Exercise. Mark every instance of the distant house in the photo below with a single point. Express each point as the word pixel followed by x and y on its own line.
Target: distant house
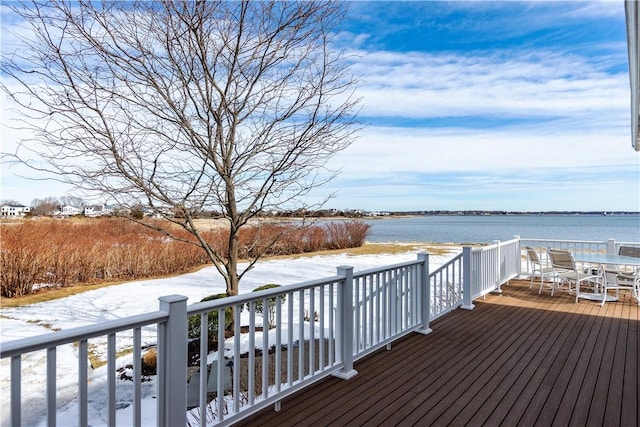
pixel 68 211
pixel 377 213
pixel 17 211
pixel 96 210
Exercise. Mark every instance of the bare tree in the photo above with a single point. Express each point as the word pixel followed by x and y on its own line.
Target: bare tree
pixel 185 106
pixel 45 207
pixel 74 201
pixel 10 202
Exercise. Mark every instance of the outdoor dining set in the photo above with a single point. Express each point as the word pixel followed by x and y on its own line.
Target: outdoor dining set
pixel 587 275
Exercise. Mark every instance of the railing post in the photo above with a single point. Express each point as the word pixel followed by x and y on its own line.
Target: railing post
pixel 518 255
pixel 611 247
pixel 467 299
pixel 425 292
pixel 394 313
pixel 344 325
pixel 172 369
pixel 498 267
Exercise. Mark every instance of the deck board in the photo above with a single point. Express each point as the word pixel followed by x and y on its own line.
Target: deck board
pixel 630 412
pixel 518 358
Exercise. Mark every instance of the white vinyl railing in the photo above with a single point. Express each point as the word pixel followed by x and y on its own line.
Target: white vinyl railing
pixel 446 286
pixel 491 266
pixel 320 328
pixel 388 304
pixel 171 325
pixel 609 246
pixel 283 339
pixel 574 245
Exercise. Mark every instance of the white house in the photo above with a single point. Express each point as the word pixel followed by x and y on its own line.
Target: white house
pixel 14 211
pixel 68 211
pixel 96 210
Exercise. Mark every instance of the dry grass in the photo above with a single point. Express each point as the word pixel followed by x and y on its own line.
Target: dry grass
pixel 42 296
pixel 366 249
pixel 381 248
pixel 51 254
pixel 394 248
pixel 55 254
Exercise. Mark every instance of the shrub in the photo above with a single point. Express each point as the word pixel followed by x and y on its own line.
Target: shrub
pixel 212 320
pixel 349 234
pixel 149 362
pixel 22 262
pixel 53 253
pixel 271 303
pixel 194 329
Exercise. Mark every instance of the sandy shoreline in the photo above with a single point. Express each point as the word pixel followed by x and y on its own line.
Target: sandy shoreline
pixel 217 223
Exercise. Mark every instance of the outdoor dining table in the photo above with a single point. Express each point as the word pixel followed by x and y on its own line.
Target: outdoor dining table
pixel 604 260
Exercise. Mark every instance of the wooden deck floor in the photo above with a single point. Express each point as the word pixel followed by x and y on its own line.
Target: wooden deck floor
pixel 517 359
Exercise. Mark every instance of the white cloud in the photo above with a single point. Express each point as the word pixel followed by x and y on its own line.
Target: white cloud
pixel 460 149
pixel 544 84
pixel 496 129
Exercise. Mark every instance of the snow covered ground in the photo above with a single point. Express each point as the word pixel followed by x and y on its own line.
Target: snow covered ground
pixel 134 298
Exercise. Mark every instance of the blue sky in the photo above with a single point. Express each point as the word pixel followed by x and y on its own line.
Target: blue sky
pixel 518 106
pixel 490 105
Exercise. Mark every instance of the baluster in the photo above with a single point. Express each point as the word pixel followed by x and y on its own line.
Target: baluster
pixel 16 381
pixel 83 395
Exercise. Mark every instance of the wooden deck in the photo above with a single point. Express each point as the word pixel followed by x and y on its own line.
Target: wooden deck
pixel 516 359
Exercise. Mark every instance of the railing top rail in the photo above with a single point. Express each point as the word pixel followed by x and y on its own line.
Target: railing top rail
pixel 494 245
pixel 48 340
pixel 565 241
pixel 445 266
pixel 202 307
pixel 509 242
pixel 487 248
pixel 386 268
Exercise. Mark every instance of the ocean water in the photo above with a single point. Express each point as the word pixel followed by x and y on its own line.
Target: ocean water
pixel 485 229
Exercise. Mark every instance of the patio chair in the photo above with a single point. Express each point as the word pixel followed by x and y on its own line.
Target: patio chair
pixel 558 266
pixel 628 281
pixel 565 270
pixel 632 251
pixel 193 383
pixel 623 279
pixel 212 384
pixel 193 390
pixel 538 268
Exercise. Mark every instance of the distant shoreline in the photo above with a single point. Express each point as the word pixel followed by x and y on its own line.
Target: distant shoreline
pixel 497 213
pixel 412 214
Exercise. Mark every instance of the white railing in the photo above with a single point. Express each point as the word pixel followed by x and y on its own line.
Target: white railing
pixel 446 286
pixel 492 265
pixel 320 328
pixel 609 246
pixel 510 260
pixel 283 339
pixel 388 304
pixel 574 245
pixel 171 327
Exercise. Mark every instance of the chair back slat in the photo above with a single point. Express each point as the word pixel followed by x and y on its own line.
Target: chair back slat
pixel 561 259
pixel 532 254
pixel 631 251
